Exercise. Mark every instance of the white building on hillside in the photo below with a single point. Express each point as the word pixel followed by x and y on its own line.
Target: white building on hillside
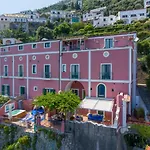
pixel 94 14
pixel 33 16
pixel 58 14
pixel 104 21
pixel 4 25
pixel 132 15
pixel 146 3
pixel 80 3
pixel 13 18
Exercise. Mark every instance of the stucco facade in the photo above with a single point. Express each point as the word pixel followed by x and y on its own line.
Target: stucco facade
pixel 132 15
pixel 93 67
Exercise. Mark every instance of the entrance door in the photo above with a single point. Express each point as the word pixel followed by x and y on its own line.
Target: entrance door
pixel 101 91
pixel 22 90
pixel 47 71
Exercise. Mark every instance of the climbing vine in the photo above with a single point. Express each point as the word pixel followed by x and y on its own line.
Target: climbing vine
pixel 53 136
pixel 34 141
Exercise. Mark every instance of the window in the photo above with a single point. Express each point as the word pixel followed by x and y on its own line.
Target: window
pixel 47 73
pixel 142 14
pixel 75 71
pixel 111 19
pixel 75 91
pixel 47 45
pixel 5 70
pixel 5 90
pixel 8 106
pixel 48 90
pixel 133 15
pixel 104 19
pixel 20 70
pixel 108 43
pixel 124 16
pixel 34 46
pixel 106 71
pixel 35 88
pixel 63 67
pixel 34 69
pixel 20 47
pixel 22 90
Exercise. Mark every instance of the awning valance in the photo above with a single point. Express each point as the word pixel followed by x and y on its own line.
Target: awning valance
pixel 97 104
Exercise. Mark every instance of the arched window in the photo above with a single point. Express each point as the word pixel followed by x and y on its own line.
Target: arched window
pixel 101 91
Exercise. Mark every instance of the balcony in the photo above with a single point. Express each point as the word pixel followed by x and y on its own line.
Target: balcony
pixel 46 75
pixel 106 76
pixel 74 75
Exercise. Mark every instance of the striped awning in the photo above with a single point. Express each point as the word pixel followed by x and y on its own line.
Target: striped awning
pixel 97 104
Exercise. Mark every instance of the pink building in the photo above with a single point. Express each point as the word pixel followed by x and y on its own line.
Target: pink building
pixel 95 67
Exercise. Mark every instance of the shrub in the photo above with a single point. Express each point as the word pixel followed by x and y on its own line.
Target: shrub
pixel 139 113
pixel 148 83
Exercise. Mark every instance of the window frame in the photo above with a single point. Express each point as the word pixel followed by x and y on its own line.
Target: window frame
pixel 4 70
pixel 22 47
pixel 13 107
pixel 102 72
pixel 78 70
pixel 46 43
pixel 19 70
pixel 65 68
pixel 111 38
pixel 74 89
pixel 34 44
pixel 35 68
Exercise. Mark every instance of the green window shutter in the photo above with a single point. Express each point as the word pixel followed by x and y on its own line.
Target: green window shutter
pixel 44 91
pixel 22 90
pixel 8 90
pixel 3 89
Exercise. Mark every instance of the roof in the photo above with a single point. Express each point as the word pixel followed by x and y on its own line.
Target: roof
pixel 97 104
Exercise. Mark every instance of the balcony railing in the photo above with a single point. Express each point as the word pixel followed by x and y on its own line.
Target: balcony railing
pixel 46 75
pixel 73 48
pixel 106 76
pixel 74 75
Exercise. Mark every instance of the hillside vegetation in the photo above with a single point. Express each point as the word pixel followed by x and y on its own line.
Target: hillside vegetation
pixel 113 6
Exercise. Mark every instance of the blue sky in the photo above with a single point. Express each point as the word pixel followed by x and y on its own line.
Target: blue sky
pixel 12 6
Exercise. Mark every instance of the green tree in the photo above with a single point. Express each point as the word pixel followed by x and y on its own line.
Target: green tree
pixel 6 33
pixel 21 35
pixel 63 102
pixel 49 25
pixel 44 32
pixel 88 27
pixel 3 99
pixel 144 47
pixel 148 68
pixel 119 22
pixel 62 30
pixel 77 26
pixel 49 101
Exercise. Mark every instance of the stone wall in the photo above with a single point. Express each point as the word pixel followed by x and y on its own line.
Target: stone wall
pixel 89 136
pixel 43 140
pixel 78 136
